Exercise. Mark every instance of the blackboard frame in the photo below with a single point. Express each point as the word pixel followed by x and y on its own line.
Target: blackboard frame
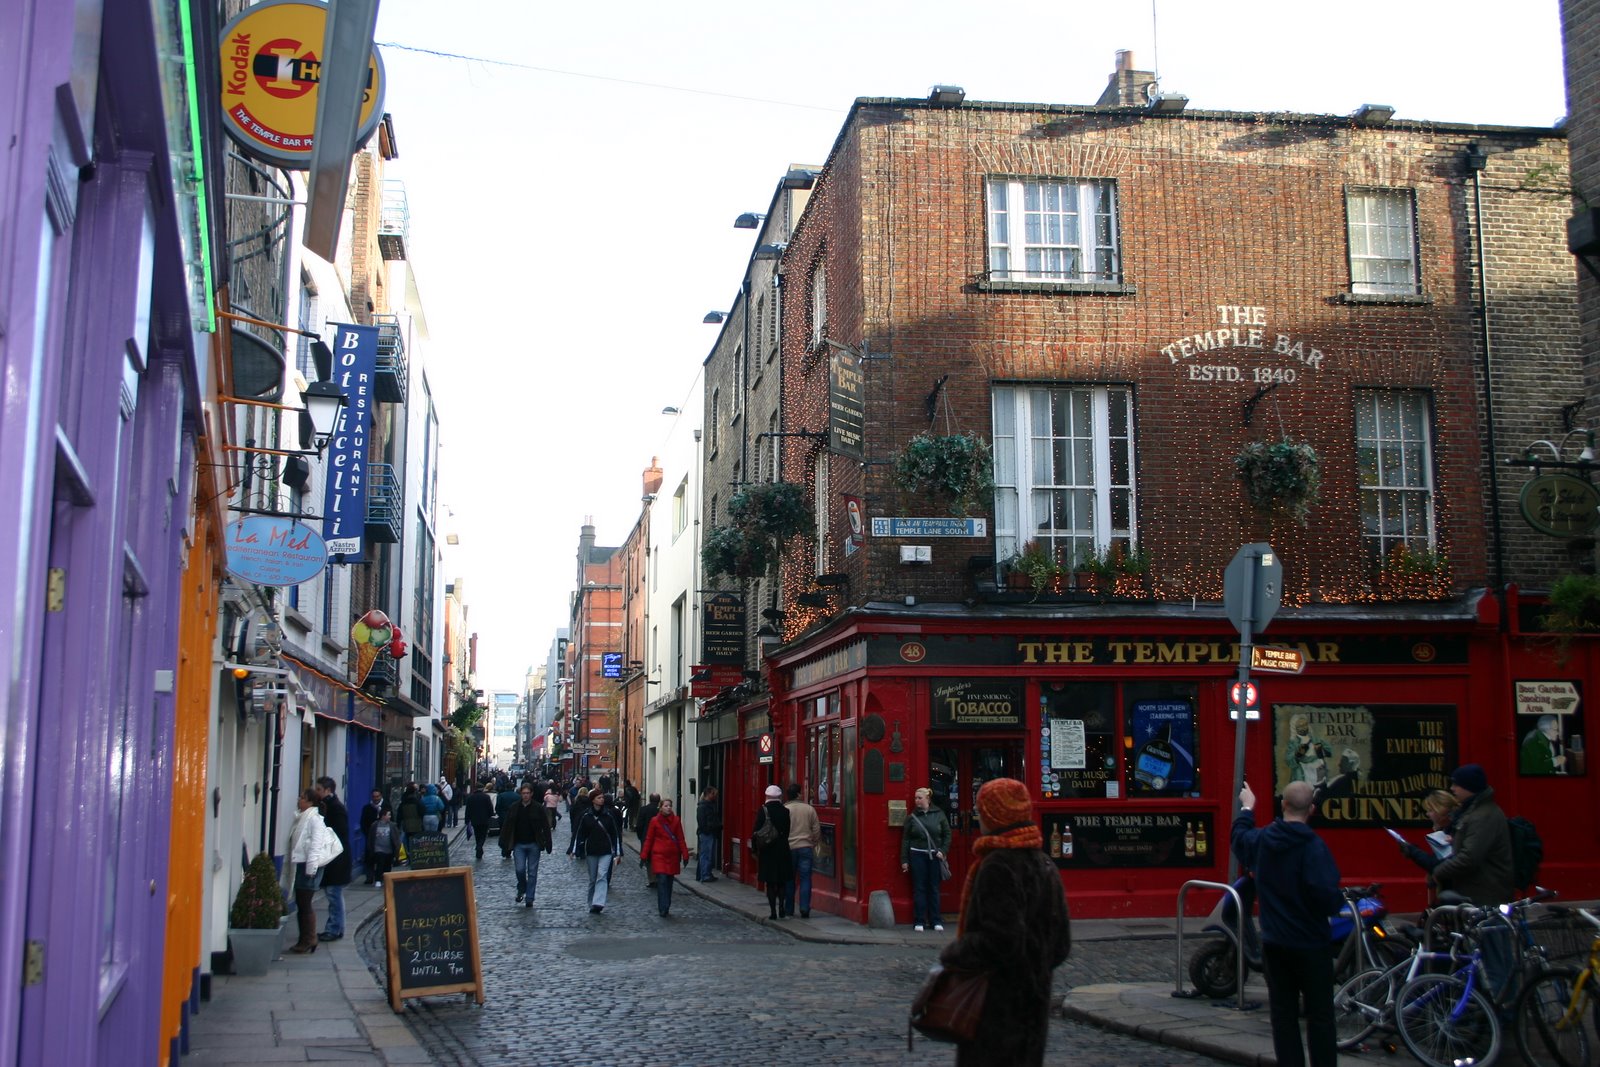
pixel 398 994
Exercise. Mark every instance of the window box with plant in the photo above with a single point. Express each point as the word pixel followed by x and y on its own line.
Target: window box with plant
pixel 1095 573
pixel 255 922
pixel 1132 577
pixel 1410 572
pixel 957 470
pixel 1039 569
pixel 1282 477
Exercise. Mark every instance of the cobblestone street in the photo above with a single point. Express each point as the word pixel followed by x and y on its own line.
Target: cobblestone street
pixel 706 986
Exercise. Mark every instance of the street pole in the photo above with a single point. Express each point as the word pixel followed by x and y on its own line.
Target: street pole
pixel 1246 626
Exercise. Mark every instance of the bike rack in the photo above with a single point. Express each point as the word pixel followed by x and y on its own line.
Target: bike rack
pixel 1238 911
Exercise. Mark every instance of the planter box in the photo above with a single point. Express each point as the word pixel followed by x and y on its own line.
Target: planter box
pixel 253 950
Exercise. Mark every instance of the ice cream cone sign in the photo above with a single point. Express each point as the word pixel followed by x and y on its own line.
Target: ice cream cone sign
pixel 368 637
pixel 397 646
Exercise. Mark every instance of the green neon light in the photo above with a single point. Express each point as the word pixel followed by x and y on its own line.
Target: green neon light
pixel 197 171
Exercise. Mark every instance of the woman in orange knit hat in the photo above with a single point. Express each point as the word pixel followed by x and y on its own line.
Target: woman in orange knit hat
pixel 1014 926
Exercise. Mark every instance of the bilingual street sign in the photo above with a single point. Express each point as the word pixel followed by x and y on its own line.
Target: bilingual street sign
pixel 901 526
pixel 1274 658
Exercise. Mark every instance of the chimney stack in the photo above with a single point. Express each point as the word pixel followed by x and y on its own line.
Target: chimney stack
pixel 585 544
pixel 652 477
pixel 1128 87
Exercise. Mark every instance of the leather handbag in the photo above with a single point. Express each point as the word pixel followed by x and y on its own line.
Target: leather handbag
pixel 949 1005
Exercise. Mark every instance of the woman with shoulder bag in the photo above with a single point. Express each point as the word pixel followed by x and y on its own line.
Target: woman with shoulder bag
pixel 769 841
pixel 311 846
pixel 1014 929
pixel 924 841
pixel 666 851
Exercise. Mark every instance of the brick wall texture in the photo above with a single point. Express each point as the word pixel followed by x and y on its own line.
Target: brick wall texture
pixel 1216 211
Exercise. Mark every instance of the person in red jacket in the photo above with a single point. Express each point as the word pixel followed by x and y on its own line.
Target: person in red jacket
pixel 664 849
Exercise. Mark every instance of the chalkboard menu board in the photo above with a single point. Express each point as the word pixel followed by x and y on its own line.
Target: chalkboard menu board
pixel 425 851
pixel 432 925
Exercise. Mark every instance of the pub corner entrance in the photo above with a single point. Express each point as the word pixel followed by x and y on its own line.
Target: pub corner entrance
pixel 956 771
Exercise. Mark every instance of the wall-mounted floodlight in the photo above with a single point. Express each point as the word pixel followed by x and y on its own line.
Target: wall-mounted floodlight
pixel 946 95
pixel 1374 114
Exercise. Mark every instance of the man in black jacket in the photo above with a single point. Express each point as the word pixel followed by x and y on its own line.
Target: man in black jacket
pixel 480 809
pixel 336 874
pixel 525 830
pixel 708 833
pixel 370 811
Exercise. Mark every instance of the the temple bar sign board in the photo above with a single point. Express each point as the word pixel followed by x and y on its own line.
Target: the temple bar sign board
pixel 431 921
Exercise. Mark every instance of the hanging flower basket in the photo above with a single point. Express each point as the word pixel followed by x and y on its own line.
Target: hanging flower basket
pixel 761 518
pixel 955 469
pixel 1281 477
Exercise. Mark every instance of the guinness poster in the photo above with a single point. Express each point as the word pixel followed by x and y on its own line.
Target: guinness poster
pixel 1369 765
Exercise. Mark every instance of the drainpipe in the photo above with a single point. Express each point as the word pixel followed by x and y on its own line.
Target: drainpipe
pixel 1476 160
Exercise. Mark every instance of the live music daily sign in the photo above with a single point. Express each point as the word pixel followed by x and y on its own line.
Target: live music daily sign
pixel 431 919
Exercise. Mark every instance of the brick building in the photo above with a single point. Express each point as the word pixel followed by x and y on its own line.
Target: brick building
pixel 1125 302
pixel 596 633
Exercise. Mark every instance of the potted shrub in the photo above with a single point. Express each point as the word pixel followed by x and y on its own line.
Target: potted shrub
pixel 1574 605
pixel 1038 562
pixel 1132 569
pixel 255 920
pixel 1409 573
pixel 1282 477
pixel 1095 572
pixel 955 469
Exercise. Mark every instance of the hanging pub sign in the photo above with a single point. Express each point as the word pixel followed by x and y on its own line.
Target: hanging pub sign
pixel 722 625
pixel 272 66
pixel 1560 505
pixel 611 664
pixel 847 410
pixel 1369 765
pixel 977 703
pixel 274 550
pixel 344 509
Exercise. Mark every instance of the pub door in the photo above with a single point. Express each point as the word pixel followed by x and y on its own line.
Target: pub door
pixel 956 771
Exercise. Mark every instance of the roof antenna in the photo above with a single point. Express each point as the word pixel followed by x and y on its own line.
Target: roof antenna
pixel 1155 45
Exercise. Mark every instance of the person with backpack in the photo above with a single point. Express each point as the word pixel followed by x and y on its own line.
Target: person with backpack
pixel 1479 865
pixel 769 840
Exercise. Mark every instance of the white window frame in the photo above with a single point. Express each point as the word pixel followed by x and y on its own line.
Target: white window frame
pixel 716 419
pixel 1062 231
pixel 736 408
pixel 1394 469
pixel 680 508
pixel 820 512
pixel 1381 237
pixel 1025 502
pixel 819 305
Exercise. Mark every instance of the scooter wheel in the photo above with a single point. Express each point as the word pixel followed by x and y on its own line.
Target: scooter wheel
pixel 1214 970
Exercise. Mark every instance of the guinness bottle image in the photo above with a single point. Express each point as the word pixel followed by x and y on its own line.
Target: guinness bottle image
pixel 1154 765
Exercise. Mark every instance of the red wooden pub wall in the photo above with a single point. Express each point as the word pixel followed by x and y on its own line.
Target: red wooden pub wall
pixel 1098 716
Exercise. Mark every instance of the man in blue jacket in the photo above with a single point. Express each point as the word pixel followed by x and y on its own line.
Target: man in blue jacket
pixel 1297 884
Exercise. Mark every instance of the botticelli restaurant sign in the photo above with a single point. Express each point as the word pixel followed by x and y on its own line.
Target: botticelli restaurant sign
pixel 977 703
pixel 271 68
pixel 1560 505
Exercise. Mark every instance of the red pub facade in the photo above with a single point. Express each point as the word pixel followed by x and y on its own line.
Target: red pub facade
pixel 1128 308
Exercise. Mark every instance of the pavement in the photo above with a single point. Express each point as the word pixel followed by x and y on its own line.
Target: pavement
pixel 330 1005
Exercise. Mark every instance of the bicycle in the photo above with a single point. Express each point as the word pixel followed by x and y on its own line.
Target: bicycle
pixel 1550 1010
pixel 1442 1018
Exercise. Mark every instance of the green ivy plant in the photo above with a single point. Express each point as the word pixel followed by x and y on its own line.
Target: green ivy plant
pixel 1281 477
pixel 259 903
pixel 1574 605
pixel 761 519
pixel 956 469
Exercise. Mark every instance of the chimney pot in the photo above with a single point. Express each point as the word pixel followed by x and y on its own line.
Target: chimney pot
pixel 652 477
pixel 1124 59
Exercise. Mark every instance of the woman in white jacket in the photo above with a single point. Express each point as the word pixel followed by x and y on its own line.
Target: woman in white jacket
pixel 311 845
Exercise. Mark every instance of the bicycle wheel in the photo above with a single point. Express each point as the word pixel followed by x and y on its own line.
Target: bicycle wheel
pixel 1444 1023
pixel 1360 1005
pixel 1544 1036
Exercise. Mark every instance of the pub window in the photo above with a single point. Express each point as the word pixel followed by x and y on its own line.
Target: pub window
pixel 1394 469
pixel 1114 741
pixel 1382 241
pixel 824 752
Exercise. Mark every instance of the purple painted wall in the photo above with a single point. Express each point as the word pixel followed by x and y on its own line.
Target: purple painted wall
pixel 99 367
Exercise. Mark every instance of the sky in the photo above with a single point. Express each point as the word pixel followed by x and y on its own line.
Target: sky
pixel 573 185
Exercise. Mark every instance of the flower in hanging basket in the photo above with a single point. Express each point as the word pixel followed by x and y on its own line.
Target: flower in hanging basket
pixel 957 469
pixel 1282 476
pixel 259 903
pixel 760 519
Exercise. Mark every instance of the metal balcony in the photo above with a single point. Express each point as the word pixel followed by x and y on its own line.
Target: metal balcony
pixel 394 220
pixel 383 504
pixel 383 676
pixel 390 384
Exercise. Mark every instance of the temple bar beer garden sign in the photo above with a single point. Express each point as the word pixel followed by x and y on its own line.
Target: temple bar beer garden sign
pixel 722 621
pixel 431 922
pixel 847 409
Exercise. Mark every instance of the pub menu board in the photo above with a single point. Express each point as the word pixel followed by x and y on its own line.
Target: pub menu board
pixel 1134 839
pixel 977 703
pixel 431 919
pixel 425 851
pixel 1369 765
pixel 1078 741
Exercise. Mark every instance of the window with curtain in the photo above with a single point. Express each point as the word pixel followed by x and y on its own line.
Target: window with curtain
pixel 1382 239
pixel 1394 469
pixel 1053 231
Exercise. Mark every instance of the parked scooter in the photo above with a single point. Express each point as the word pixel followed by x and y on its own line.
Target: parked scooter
pixel 1356 937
